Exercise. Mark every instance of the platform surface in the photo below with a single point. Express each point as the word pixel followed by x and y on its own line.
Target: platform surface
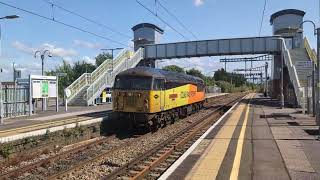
pixel 255 140
pixel 52 116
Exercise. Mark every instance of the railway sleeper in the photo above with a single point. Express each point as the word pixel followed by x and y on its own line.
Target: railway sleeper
pixel 154 174
pixel 159 169
pixel 170 160
pixel 124 178
pixel 133 172
pixel 142 166
pixel 155 158
pixel 174 156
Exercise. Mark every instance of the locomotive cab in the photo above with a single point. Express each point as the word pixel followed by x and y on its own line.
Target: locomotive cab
pixel 132 93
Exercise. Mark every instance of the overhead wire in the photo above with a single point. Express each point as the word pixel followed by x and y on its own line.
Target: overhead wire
pixel 162 20
pixel 177 19
pixel 262 18
pixel 87 19
pixel 63 23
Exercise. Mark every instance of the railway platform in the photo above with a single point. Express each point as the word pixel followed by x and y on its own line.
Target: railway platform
pixel 255 139
pixel 26 126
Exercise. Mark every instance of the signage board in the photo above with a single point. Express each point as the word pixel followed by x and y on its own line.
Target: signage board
pixel 52 91
pixel 43 86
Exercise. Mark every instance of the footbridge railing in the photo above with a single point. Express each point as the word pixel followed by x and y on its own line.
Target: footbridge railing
pixel 124 61
pixel 311 53
pixel 299 91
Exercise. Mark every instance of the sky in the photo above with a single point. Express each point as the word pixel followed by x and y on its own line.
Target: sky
pixel 206 19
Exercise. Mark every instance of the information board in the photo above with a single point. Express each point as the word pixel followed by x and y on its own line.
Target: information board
pixel 43 86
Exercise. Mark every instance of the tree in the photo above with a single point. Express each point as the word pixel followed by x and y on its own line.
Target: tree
pixel 195 72
pixel 102 57
pixel 73 72
pixel 81 67
pixel 236 79
pixel 174 68
pixel 209 80
pixel 66 80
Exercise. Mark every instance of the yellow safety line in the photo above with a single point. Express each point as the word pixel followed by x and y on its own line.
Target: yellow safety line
pixel 237 159
pixel 210 161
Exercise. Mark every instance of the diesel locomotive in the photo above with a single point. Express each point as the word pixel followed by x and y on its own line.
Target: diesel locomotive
pixel 154 97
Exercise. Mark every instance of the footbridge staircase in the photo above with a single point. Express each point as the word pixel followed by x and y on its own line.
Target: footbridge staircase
pixel 299 63
pixel 89 86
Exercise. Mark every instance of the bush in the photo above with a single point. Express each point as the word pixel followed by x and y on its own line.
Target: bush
pixel 6 150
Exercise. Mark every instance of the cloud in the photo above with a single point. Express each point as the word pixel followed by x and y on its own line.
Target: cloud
pixel 87 59
pixel 22 47
pixel 87 44
pixel 55 51
pixel 198 2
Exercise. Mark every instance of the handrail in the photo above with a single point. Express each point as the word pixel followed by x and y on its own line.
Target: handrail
pixel 79 84
pixel 292 72
pixel 106 65
pixel 87 79
pixel 311 53
pixel 125 61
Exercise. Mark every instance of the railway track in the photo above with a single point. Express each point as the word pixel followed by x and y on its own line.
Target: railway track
pixel 154 162
pixel 73 160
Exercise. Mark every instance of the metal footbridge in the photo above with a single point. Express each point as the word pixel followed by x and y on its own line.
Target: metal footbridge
pixel 89 86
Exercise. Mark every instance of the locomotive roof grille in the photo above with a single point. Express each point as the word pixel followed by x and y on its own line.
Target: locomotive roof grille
pixel 169 76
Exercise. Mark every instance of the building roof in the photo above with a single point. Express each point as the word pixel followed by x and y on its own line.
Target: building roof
pixel 149 25
pixel 286 11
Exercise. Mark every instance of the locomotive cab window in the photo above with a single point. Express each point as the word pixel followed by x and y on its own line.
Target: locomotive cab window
pixel 158 84
pixel 133 83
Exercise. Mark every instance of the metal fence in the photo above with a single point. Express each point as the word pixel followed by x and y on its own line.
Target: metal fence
pixel 15 100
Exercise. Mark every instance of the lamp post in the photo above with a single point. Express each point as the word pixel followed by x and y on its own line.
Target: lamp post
pixel 57 89
pixel 42 56
pixel 317 91
pixel 314 103
pixel 266 80
pixel 1 103
pixel 6 17
pixel 112 50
